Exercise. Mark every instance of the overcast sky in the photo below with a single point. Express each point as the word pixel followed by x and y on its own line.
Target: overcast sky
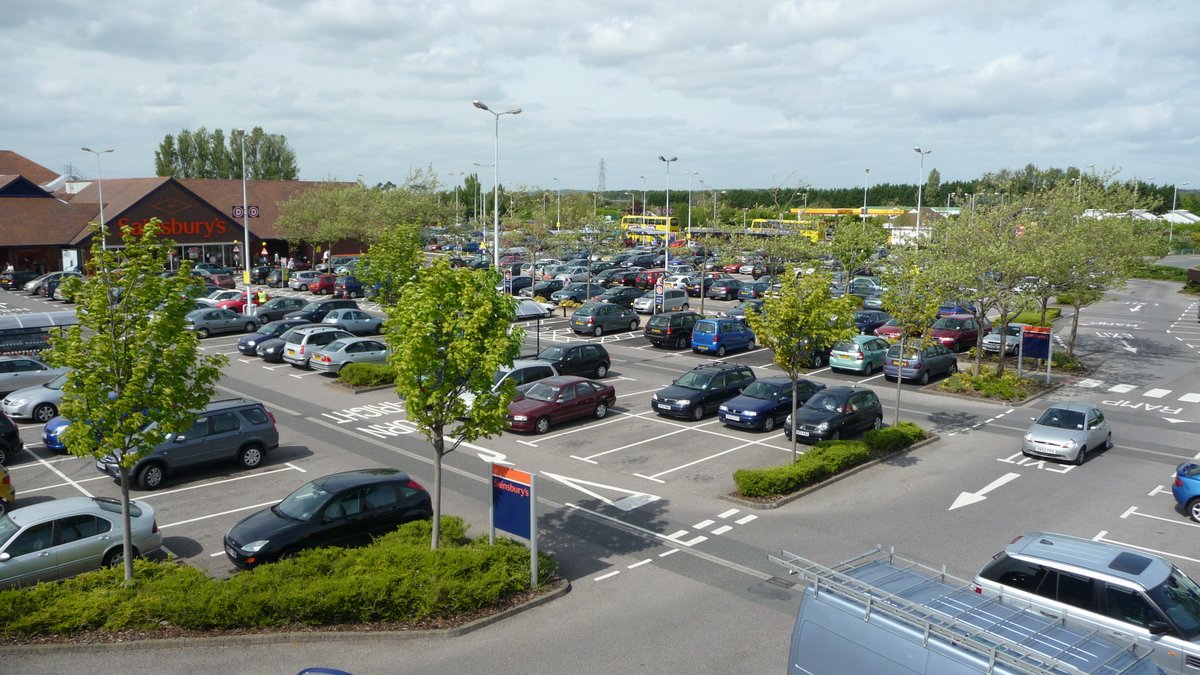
pixel 750 94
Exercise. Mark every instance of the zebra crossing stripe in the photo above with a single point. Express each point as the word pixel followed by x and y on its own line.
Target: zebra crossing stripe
pixel 1122 388
pixel 1090 384
pixel 1156 393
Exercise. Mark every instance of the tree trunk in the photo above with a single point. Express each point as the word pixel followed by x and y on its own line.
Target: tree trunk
pixel 126 526
pixel 899 379
pixel 1074 329
pixel 439 451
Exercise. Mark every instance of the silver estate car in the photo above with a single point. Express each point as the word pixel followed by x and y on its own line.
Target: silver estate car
pixel 334 356
pixel 1067 431
pixel 65 537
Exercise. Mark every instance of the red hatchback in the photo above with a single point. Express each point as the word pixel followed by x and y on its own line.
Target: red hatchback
pixel 957 332
pixel 323 284
pixel 648 278
pixel 559 399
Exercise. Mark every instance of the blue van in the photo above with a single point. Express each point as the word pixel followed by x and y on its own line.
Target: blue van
pixel 717 336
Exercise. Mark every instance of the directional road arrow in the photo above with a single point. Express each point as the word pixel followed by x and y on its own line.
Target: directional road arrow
pixel 632 500
pixel 1127 347
pixel 966 498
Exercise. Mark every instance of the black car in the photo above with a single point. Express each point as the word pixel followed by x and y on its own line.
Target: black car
pixel 11 281
pixel 10 438
pixel 673 329
pixel 275 279
pixel 605 278
pixel 765 403
pixel 342 509
pixel 739 310
pixel 276 308
pixel 836 412
pixel 520 284
pixel 542 289
pixel 867 320
pixel 627 276
pixel 260 273
pixel 621 295
pixel 641 260
pixel 248 344
pixel 316 310
pixel 584 359
pixel 701 390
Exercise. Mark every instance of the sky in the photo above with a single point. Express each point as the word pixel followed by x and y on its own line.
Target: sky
pixel 754 94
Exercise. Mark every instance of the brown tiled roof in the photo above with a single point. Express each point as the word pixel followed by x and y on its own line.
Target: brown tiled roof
pixel 265 194
pixel 47 221
pixel 119 195
pixel 12 164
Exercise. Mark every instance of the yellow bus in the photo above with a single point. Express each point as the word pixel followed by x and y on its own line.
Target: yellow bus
pixel 772 226
pixel 646 229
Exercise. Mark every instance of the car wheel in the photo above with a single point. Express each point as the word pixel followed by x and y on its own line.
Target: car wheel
pixel 633 325
pixel 768 424
pixel 750 346
pixel 952 369
pixel 818 359
pixel 151 477
pixel 836 435
pixel 202 333
pixel 924 379
pixel 1081 455
pixel 44 412
pixel 303 288
pixel 251 326
pixel 698 412
pixel 601 410
pixel 601 371
pixel 1108 442
pixel 599 331
pixel 542 425
pixel 116 556
pixel 877 424
pixel 251 455
pixel 1193 509
pixel 681 342
pixel 3 454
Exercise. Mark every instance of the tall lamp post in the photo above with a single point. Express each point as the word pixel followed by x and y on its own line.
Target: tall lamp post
pixel 689 225
pixel 241 134
pixel 643 197
pixel 631 204
pixel 1174 203
pixel 100 186
pixel 866 181
pixel 667 214
pixel 496 190
pixel 458 175
pixel 920 181
pixel 557 204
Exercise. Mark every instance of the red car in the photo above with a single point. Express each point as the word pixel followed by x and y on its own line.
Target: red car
pixel 732 268
pixel 323 285
pixel 238 304
pixel 957 332
pixel 648 278
pixel 888 331
pixel 558 399
pixel 221 280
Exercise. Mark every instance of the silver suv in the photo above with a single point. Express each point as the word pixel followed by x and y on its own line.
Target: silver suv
pixel 230 429
pixel 1108 587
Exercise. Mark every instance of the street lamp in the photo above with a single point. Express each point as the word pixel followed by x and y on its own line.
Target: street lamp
pixel 241 134
pixel 1174 203
pixel 631 204
pixel 667 215
pixel 558 206
pixel 643 197
pixel 689 226
pixel 496 162
pixel 920 181
pixel 866 180
pixel 100 186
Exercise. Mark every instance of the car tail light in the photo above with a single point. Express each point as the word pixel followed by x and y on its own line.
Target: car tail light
pixel 858 356
pixel 6 480
pixel 977 588
pixel 301 351
pixel 323 358
pixel 1178 481
pixel 154 526
pixel 272 416
pixel 414 485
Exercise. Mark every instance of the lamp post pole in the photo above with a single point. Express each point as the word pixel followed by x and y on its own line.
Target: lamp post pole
pixel 920 179
pixel 643 197
pixel 631 204
pixel 667 234
pixel 100 186
pixel 241 134
pixel 689 225
pixel 866 180
pixel 558 204
pixel 496 190
pixel 1174 203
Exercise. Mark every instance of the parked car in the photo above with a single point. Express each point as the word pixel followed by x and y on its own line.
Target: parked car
pixel 342 509
pixel 347 286
pixel 519 284
pixel 543 288
pixel 315 311
pixel 275 309
pixel 605 278
pixel 739 310
pixel 673 300
pixel 1012 339
pixel 212 321
pixel 597 318
pixel 521 372
pixel 211 268
pixel 673 329
pixel 701 390
pixel 248 344
pixel 718 336
pixel 300 281
pixel 275 279
pixel 220 295
pixel 579 291
pixel 19 372
pixel 864 286
pixel 34 286
pixel 531 309
pixel 1186 489
pixel 621 295
pixel 626 277
pixel 679 281
pixel 63 537
pixel 861 353
pixel 271 349
pixel 38 403
pixel 574 273
pixel 301 343
pixel 1067 431
pixel 585 359
pixel 323 284
pixel 52 285
pixel 649 278
pixel 889 331
pixel 227 430
pixel 949 307
pixel 868 320
pixel 10 439
pixel 765 403
pixel 754 290
pixel 260 273
pixel 334 356
pixel 354 321
pixel 221 280
pixel 11 281
pixel 724 289
pixel 8 494
pixel 834 413
pixel 919 363
pixel 237 304
pixel 558 399
pixel 958 332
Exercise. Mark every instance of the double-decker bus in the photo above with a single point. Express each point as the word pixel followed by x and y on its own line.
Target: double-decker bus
pixel 644 229
pixel 775 227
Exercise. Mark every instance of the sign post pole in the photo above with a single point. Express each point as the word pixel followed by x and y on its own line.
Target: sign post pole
pixel 533 545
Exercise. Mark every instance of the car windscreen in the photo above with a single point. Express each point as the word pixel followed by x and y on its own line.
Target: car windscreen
pixel 826 402
pixel 693 380
pixel 704 327
pixel 335 346
pixel 8 529
pixel 768 391
pixel 948 324
pixel 56 383
pixel 552 353
pixel 1179 598
pixel 312 306
pixel 540 391
pixel 1061 419
pixel 306 501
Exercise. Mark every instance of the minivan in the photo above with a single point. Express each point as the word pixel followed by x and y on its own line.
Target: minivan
pixel 717 336
pixel 302 343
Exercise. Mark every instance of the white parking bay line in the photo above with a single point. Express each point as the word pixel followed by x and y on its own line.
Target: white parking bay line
pixel 702 459
pixel 26 491
pixel 219 482
pixel 1134 512
pixel 216 515
pixel 1101 537
pixel 591 458
pixel 74 484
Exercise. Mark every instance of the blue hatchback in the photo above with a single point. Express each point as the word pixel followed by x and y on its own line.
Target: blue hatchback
pixel 1186 489
pixel 717 336
pixel 765 403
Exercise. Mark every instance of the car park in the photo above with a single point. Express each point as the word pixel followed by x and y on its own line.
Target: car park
pixel 354 321
pixel 301 343
pixel 34 286
pixel 574 273
pixel 342 509
pixel 220 295
pixel 739 310
pixel 864 286
pixel 724 289
pixel 64 537
pixel 861 353
pixel 542 288
pixel 315 311
pixel 649 278
pixel 765 403
pixel 873 301
pixel 718 336
pixel 958 332
pixel 51 286
pixel 919 363
pixel 584 359
pixel 237 304
pixel 205 322
pixel 672 329
pixel 10 439
pixel 835 413
pixel 521 284
pixel 19 372
pixel 598 318
pixel 1012 339
pixel 949 307
pixel 754 290
pixel 580 291
pixel 531 309
pixel 221 280
pixel 1186 489
pixel 337 354
pixel 1067 430
pixel 249 344
pixel 679 281
pixel 275 309
pixel 520 371
pixel 38 403
pixel 300 281
pixel 228 430
pixel 558 399
pixel 624 296
pixel 866 321
pixel 701 390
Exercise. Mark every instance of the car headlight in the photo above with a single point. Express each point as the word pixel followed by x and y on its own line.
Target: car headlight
pixel 18 402
pixel 520 418
pixel 749 413
pixel 255 546
pixel 823 426
pixel 684 401
pixel 1029 438
pixel 1070 443
pixel 654 398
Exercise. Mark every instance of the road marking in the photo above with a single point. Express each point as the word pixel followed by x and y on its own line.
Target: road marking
pixel 217 515
pixel 676 535
pixel 728 513
pixel 1122 388
pixel 1190 398
pixel 63 476
pixel 702 459
pixel 602 577
pixel 295 467
pixel 639 564
pixel 272 406
pixel 589 458
pixel 722 529
pixel 43 461
pixel 216 482
pixel 668 552
pixel 26 491
pixel 1134 512
pixel 1089 383
pixel 967 498
pixel 745 519
pixel 703 524
pixel 1101 537
pixel 632 501
pixel 1157 393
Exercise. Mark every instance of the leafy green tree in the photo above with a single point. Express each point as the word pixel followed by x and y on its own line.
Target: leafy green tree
pixel 137 375
pixel 855 241
pixel 330 212
pixel 448 333
pixel 800 320
pixel 392 262
pixel 912 298
pixel 207 154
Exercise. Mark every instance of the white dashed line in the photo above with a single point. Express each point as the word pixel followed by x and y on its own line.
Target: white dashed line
pixel 1157 393
pixel 1122 388
pixel 722 529
pixel 639 563
pixel 668 552
pixel 745 519
pixel 602 577
pixel 728 513
pixel 702 524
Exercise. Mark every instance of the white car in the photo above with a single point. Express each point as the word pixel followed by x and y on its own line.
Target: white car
pixel 221 296
pixel 678 281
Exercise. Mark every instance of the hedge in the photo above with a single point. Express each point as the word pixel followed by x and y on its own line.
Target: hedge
pixel 367 374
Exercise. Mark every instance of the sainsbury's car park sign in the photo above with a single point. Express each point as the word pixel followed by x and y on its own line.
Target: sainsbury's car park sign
pixel 513 509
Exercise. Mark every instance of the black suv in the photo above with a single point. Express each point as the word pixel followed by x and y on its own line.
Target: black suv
pixel 585 359
pixel 10 438
pixel 701 390
pixel 673 329
pixel 834 413
pixel 316 310
pixel 230 429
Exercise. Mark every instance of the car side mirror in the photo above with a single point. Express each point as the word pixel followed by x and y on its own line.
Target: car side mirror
pixel 1155 627
pixel 5 557
pixel 178 439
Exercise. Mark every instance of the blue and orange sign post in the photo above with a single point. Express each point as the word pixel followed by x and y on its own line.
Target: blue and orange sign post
pixel 1036 343
pixel 513 508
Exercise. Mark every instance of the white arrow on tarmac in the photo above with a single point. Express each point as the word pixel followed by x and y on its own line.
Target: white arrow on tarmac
pixel 634 500
pixel 966 498
pixel 1172 420
pixel 1127 347
pixel 1137 307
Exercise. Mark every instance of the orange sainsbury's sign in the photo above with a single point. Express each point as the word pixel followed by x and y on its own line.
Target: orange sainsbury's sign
pixel 204 229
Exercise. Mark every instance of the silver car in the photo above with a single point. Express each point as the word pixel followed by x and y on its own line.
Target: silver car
pixel 20 372
pixel 1067 431
pixel 300 281
pixel 211 321
pixel 65 537
pixel 38 403
pixel 1012 339
pixel 354 321
pixel 333 357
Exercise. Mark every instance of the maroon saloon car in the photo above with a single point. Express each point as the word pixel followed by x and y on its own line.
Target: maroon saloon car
pixel 558 399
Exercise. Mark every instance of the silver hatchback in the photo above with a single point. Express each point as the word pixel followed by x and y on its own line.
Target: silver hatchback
pixel 1067 431
pixel 334 356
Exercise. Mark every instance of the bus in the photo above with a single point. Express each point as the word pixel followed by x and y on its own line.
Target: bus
pixel 28 334
pixel 775 227
pixel 644 229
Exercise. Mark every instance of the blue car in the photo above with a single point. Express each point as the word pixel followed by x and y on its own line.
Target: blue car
pixel 52 431
pixel 717 336
pixel 1186 489
pixel 765 403
pixel 949 307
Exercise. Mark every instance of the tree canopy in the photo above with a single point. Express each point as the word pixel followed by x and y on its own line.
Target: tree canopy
pixel 207 154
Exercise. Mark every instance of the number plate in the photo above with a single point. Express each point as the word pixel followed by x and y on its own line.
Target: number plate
pixel 230 552
pixel 100 465
pixel 895 362
pixel 663 406
pixel 734 418
pixel 801 432
pixel 656 331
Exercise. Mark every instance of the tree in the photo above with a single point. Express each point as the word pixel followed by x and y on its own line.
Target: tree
pixel 205 154
pixel 448 334
pixel 855 241
pixel 392 262
pixel 912 298
pixel 800 320
pixel 137 375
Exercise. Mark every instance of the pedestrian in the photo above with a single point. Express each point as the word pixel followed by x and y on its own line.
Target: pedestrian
pixel 262 296
pixel 8 269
